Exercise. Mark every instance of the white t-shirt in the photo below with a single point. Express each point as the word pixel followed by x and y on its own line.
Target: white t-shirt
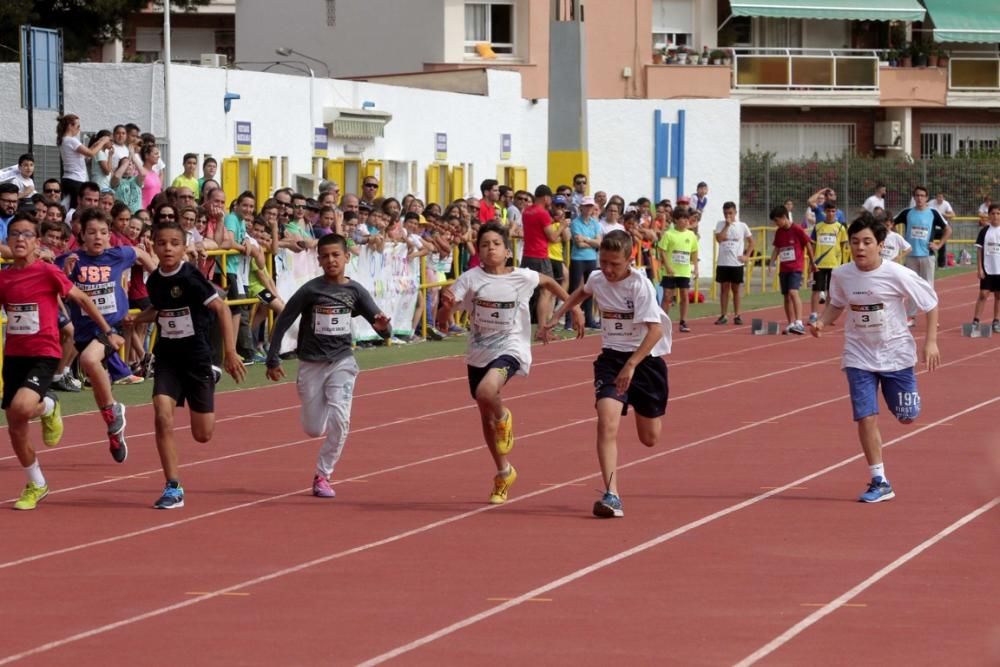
pixel 944 208
pixel 990 247
pixel 74 164
pixel 97 173
pixel 894 245
pixel 876 337
pixel 874 202
pixel 608 227
pixel 984 209
pixel 626 306
pixel 498 311
pixel 735 243
pixel 117 153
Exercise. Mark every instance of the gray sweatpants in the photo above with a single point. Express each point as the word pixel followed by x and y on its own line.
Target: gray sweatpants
pixel 924 267
pixel 326 390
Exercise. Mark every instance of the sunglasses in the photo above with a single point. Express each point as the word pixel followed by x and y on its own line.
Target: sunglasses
pixel 50 191
pixel 168 216
pixel 370 185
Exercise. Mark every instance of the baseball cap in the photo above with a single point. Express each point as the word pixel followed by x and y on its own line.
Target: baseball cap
pixel 683 200
pixel 588 201
pixel 558 200
pixel 364 206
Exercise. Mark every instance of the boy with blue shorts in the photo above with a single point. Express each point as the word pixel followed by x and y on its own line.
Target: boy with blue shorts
pixel 878 346
pixel 791 247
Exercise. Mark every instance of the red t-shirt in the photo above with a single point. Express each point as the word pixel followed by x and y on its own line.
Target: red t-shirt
pixel 31 297
pixel 137 280
pixel 487 211
pixel 534 220
pixel 791 244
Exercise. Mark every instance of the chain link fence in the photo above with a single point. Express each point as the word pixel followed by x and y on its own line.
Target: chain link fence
pixel 47 163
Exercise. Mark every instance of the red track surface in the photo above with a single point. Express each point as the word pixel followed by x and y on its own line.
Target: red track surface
pixel 742 538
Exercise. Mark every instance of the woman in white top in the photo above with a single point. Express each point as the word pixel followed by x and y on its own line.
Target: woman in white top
pixel 74 156
pixel 100 166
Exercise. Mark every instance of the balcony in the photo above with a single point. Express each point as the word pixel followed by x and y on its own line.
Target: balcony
pixel 666 82
pixel 820 77
pixel 974 80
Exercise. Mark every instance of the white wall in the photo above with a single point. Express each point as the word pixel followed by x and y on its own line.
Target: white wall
pixel 278 108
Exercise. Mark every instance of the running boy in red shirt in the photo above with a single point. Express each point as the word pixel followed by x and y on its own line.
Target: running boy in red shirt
pixel 30 293
pixel 791 246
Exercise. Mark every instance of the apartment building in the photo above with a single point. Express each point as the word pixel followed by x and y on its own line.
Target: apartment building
pixel 203 30
pixel 872 76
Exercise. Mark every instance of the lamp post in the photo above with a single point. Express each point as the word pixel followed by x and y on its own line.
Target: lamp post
pixel 285 51
pixel 312 84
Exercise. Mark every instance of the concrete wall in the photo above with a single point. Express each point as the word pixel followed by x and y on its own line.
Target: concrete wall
pixel 282 117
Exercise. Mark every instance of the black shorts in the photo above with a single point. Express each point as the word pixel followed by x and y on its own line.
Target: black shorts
pixel 194 383
pixel 648 391
pixel 506 363
pixel 543 266
pixel 35 373
pixel 991 283
pixel 558 269
pixel 675 282
pixel 790 281
pixel 821 280
pixel 140 304
pixel 108 350
pixel 729 274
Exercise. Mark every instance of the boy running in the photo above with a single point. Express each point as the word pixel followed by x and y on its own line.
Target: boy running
pixel 988 250
pixel 791 244
pixel 829 245
pixel 97 269
pixel 678 249
pixel 630 370
pixel 327 369
pixel 878 346
pixel 30 292
pixel 496 296
pixel 183 303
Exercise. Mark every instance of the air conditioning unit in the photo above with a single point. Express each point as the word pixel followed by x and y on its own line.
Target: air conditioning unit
pixel 214 60
pixel 889 134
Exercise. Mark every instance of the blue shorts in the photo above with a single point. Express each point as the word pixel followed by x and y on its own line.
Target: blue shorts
pixel 899 388
pixel 790 281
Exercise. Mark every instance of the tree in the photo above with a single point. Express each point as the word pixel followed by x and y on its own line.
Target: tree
pixel 86 24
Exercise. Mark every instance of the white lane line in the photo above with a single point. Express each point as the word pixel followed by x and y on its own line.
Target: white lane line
pixel 640 548
pixel 846 597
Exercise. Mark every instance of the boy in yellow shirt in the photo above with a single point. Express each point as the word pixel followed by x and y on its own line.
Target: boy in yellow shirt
pixel 678 251
pixel 829 242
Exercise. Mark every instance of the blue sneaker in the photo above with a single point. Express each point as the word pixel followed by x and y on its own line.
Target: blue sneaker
pixel 172 498
pixel 878 490
pixel 609 506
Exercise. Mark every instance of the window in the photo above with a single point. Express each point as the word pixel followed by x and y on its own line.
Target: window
pixel 798 140
pixel 490 23
pixel 331 13
pixel 953 140
pixel 673 23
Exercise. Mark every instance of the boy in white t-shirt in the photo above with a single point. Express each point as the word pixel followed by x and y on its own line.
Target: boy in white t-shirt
pixel 895 248
pixel 988 247
pixel 630 370
pixel 735 249
pixel 878 346
pixel 496 296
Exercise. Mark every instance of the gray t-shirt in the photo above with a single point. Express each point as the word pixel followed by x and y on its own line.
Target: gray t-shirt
pixel 325 330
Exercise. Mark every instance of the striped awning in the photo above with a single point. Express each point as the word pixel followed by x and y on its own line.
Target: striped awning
pixel 853 10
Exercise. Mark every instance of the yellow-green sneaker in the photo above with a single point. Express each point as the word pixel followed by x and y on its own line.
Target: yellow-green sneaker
pixel 501 484
pixel 504 430
pixel 30 496
pixel 52 425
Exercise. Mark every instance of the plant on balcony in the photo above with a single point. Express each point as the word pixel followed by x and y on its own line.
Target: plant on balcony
pixel 942 57
pixel 918 51
pixel 906 56
pixel 683 53
pixel 892 57
pixel 717 56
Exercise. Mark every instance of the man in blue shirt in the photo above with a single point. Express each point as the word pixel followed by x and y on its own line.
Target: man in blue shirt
pixel 926 230
pixel 8 207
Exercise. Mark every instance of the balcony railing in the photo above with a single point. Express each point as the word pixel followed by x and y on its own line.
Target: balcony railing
pixel 974 72
pixel 805 69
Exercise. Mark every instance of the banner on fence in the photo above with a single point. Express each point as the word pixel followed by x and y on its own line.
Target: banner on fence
pixel 391 279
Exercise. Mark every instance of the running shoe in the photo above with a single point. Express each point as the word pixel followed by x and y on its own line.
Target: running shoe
pixel 996 326
pixel 822 297
pixel 813 318
pixel 504 430
pixel 130 379
pixel 172 498
pixel 52 424
pixel 609 507
pixel 721 320
pixel 737 320
pixel 879 489
pixel 322 488
pixel 30 496
pixel 114 417
pixel 684 328
pixel 456 330
pixel 67 383
pixel 502 484
pixel 797 329
pixel 434 334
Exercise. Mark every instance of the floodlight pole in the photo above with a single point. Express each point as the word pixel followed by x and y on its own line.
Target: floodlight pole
pixel 166 83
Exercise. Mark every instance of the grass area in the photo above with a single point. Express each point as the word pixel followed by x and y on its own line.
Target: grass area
pixel 378 357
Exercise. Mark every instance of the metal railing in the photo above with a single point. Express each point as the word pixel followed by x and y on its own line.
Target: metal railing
pixel 805 69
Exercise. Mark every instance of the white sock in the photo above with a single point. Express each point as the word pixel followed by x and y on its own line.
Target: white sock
pixel 34 473
pixel 878 470
pixel 58 376
pixel 49 406
pixel 504 472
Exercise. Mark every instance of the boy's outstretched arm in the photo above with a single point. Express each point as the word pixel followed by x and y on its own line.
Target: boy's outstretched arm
pixel 577 313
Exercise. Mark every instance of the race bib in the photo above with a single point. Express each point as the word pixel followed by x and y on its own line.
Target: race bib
pixel 175 323
pixel 787 254
pixel 992 249
pixel 678 257
pixel 22 319
pixel 493 316
pixel 618 327
pixel 331 321
pixel 103 296
pixel 827 239
pixel 868 317
pixel 888 252
pixel 920 233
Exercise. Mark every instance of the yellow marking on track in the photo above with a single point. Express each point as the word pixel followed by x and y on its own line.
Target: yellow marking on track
pixel 528 600
pixel 823 604
pixel 231 594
